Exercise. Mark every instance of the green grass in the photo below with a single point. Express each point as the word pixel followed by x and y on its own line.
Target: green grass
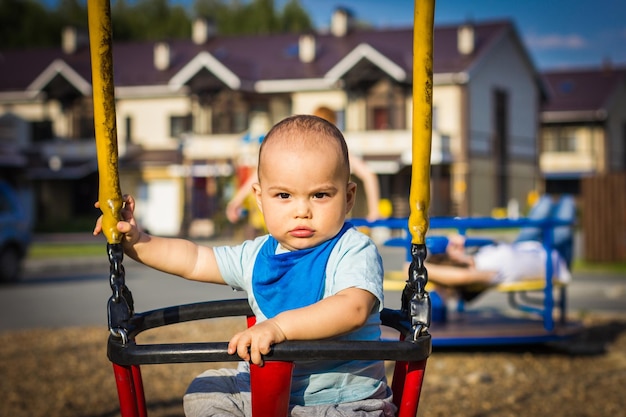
pixel 56 250
pixel 581 266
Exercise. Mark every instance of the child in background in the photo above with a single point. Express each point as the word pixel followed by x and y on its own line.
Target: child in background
pixel 458 274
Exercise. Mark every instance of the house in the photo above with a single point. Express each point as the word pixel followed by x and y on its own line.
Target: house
pixel 583 126
pixel 190 114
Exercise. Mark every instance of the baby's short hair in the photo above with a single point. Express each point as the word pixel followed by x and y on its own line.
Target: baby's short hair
pixel 307 127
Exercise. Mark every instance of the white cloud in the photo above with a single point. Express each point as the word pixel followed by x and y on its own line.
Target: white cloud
pixel 554 41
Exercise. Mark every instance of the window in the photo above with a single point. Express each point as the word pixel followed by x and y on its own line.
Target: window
pixel 42 130
pixel 180 125
pixel 128 129
pixel 560 140
pixel 381 118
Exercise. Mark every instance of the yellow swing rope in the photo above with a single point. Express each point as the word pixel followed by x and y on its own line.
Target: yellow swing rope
pixel 415 299
pixel 100 42
pixel 109 195
pixel 419 198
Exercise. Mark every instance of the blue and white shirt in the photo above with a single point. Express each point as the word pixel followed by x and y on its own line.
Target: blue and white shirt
pixel 353 262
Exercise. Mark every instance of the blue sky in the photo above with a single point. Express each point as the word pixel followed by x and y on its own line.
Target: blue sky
pixel 557 33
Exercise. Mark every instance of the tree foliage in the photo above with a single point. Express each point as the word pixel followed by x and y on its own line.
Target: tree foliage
pixel 31 23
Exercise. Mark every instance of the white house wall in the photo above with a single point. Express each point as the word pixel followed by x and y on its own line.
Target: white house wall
pixel 522 177
pixel 447 115
pixel 356 114
pixel 483 174
pixel 503 69
pixel 39 110
pixel 306 102
pixel 161 213
pixel 151 118
pixel 279 108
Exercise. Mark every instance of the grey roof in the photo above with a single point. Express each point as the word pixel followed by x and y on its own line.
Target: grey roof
pixel 249 58
pixel 582 90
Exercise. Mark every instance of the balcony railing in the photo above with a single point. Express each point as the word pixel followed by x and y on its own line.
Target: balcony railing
pixel 554 162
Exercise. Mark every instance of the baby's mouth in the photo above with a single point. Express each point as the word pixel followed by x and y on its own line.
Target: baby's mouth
pixel 301 232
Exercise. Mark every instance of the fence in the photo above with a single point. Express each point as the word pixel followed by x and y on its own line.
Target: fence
pixel 604 217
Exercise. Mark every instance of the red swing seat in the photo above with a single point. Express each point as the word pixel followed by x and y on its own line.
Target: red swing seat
pixel 270 384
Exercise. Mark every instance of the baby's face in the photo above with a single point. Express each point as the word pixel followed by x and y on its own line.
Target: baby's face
pixel 304 193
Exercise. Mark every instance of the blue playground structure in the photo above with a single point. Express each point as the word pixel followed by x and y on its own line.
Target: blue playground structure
pixel 538 306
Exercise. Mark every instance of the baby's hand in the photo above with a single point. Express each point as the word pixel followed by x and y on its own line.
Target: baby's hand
pixel 256 341
pixel 128 226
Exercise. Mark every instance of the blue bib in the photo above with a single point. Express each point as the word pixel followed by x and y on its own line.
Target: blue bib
pixel 291 280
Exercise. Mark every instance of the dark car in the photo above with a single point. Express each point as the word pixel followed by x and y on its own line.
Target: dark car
pixel 15 235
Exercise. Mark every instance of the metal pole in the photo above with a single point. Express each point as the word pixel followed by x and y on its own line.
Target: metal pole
pixel 100 42
pixel 415 299
pixel 422 118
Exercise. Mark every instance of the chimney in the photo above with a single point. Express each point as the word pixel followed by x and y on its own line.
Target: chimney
pixel 341 22
pixel 466 39
pixel 202 30
pixel 72 39
pixel 306 48
pixel 161 56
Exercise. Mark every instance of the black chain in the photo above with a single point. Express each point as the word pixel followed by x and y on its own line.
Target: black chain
pixel 120 305
pixel 415 298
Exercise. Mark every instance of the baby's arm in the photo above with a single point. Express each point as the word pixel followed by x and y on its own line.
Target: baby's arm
pixel 173 256
pixel 341 313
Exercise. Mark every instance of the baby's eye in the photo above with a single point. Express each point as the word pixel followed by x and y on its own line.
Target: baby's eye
pixel 320 195
pixel 283 196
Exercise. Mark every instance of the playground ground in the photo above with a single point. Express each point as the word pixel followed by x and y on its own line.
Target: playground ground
pixel 65 373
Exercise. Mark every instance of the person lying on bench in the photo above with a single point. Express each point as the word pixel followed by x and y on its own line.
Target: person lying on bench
pixel 490 265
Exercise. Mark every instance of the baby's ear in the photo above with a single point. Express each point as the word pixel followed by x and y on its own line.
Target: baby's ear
pixel 350 196
pixel 256 189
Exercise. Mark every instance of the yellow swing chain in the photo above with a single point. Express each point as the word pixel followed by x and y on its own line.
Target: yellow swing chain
pixel 415 299
pixel 120 306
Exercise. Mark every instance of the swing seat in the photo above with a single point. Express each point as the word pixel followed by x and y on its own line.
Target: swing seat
pixel 270 384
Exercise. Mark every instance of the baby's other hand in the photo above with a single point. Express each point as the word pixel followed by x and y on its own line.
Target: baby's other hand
pixel 256 341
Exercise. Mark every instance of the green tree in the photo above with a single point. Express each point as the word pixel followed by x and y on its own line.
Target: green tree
pixel 253 17
pixel 294 18
pixel 156 19
pixel 122 21
pixel 72 13
pixel 27 23
pixel 39 25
